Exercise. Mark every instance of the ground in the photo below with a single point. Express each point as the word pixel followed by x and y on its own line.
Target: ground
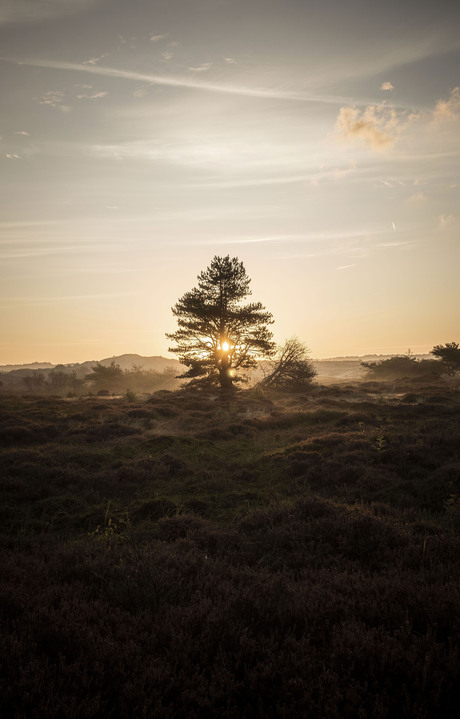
pixel 259 555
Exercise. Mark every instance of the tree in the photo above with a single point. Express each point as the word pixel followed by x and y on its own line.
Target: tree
pixel 449 355
pixel 402 366
pixel 106 377
pixel 218 334
pixel 292 370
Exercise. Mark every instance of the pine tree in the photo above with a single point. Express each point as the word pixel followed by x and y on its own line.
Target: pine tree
pixel 218 334
pixel 449 355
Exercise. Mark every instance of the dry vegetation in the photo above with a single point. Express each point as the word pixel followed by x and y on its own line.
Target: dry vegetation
pixel 262 556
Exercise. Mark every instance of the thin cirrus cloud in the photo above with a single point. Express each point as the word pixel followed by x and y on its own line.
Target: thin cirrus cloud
pixel 93 96
pixel 27 11
pixel 94 60
pixel 64 298
pixel 181 82
pixel 54 98
pixel 201 68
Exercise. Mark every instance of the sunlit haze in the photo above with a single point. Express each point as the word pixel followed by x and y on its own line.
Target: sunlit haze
pixel 318 142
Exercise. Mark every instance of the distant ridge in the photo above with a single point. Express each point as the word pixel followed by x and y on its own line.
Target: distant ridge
pixel 368 358
pixel 126 362
pixel 157 363
pixel 31 365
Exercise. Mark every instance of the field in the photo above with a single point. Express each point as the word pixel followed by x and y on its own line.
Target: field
pixel 255 556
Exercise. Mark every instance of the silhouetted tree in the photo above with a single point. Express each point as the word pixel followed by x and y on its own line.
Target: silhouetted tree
pixel 106 377
pixel 35 382
pixel 59 382
pixel 400 366
pixel 217 334
pixel 292 370
pixel 449 355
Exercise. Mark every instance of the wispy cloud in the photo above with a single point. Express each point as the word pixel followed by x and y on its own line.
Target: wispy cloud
pixel 386 86
pixel 201 68
pixel 166 55
pixel 93 96
pixel 28 11
pixel 448 109
pixel 446 220
pixel 157 38
pixel 185 82
pixel 54 98
pixel 58 249
pixel 64 298
pixel 22 132
pixel 94 60
pixel 417 198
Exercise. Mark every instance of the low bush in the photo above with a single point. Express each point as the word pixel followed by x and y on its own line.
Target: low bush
pixel 253 560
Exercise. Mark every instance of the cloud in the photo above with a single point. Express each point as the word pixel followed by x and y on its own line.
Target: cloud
pixel 386 86
pixel 445 220
pixel 230 61
pixel 65 298
pixel 94 60
pixel 29 11
pixel 54 98
pixel 167 55
pixel 13 157
pixel 94 96
pixel 419 197
pixel 22 132
pixel 157 38
pixel 448 109
pixel 201 68
pixel 141 91
pixel 375 125
pixel 185 82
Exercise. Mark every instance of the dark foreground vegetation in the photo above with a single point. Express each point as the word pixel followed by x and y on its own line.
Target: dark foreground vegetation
pixel 259 556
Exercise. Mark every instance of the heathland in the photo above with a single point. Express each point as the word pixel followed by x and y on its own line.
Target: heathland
pixel 260 555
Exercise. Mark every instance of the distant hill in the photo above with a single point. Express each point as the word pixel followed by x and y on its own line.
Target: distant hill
pixel 332 369
pixel 31 365
pixel 126 361
pixel 46 378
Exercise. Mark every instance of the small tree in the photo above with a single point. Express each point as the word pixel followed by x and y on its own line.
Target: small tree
pixel 218 334
pixel 449 355
pixel 403 366
pixel 106 377
pixel 292 370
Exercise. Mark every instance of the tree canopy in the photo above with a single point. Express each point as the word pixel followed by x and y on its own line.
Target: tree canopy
pixel 218 334
pixel 400 366
pixel 449 355
pixel 291 371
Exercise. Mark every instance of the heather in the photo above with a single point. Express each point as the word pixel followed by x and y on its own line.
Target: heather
pixel 261 555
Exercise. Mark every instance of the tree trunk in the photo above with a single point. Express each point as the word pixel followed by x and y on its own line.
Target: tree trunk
pixel 225 379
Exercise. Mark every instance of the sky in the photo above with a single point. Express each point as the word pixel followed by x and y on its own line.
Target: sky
pixel 317 141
